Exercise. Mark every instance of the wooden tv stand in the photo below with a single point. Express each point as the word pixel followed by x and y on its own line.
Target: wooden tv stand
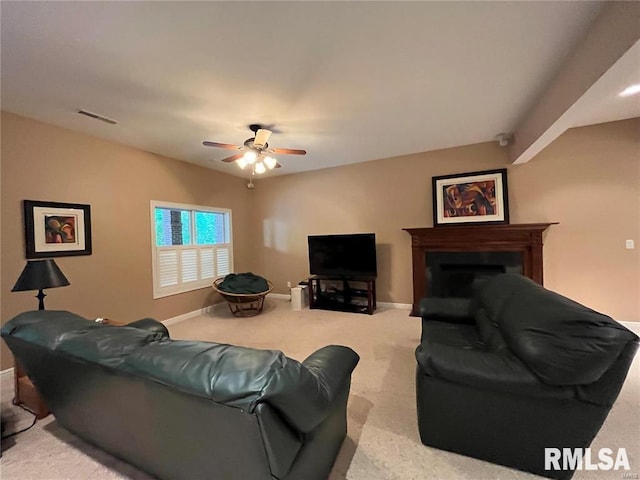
pixel 348 298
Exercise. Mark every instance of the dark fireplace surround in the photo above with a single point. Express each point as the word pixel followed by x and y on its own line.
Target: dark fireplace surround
pixel 448 260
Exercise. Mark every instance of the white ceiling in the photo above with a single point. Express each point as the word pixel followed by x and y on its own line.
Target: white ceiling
pixel 347 81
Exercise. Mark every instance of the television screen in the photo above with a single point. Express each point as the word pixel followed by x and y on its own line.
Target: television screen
pixel 351 255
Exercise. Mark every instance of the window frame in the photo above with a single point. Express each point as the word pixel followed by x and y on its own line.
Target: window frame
pixel 183 287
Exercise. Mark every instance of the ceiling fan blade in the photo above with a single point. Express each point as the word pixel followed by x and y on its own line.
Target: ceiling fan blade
pixel 222 145
pixel 289 151
pixel 262 137
pixel 232 158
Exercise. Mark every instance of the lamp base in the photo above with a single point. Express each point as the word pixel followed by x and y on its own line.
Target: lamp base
pixel 40 296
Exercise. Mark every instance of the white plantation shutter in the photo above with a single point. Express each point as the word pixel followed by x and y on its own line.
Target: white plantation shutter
pixel 189 265
pixel 168 268
pixel 223 261
pixel 207 269
pixel 191 245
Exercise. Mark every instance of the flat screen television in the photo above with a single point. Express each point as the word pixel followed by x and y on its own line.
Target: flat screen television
pixel 352 255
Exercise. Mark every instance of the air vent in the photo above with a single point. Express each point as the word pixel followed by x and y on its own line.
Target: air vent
pixel 97 117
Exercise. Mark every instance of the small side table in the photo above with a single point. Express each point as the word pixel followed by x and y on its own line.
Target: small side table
pixel 25 391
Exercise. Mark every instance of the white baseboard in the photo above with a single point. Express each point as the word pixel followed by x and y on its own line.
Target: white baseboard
pixel 7 372
pixel 633 326
pixel 279 296
pixel 399 306
pixel 206 311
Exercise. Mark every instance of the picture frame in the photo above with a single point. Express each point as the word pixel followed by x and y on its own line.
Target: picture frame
pixel 54 229
pixel 471 198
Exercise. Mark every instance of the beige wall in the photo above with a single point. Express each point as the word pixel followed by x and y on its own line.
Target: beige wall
pixel 382 196
pixel 588 180
pixel 42 162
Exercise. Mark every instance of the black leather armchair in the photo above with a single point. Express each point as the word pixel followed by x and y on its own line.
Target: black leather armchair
pixel 185 409
pixel 517 369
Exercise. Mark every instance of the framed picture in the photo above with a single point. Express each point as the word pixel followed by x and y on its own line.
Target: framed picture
pixel 474 198
pixel 54 229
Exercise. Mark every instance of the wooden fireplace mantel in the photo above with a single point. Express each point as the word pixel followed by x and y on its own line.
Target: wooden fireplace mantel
pixel 524 237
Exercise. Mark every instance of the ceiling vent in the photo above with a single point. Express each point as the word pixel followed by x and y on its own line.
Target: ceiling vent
pixel 97 117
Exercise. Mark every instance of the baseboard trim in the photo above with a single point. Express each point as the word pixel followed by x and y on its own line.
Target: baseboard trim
pixel 279 296
pixel 206 311
pixel 7 372
pixel 633 326
pixel 399 306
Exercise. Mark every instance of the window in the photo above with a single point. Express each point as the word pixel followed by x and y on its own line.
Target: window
pixel 191 246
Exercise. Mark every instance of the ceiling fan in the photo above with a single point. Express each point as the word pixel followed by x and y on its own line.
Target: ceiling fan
pixel 255 151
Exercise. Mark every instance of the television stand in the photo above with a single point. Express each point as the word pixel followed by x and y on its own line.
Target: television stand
pixel 353 294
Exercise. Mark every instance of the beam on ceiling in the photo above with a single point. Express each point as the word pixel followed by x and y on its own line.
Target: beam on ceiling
pixel 612 34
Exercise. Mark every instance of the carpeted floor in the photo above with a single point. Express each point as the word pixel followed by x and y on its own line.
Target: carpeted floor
pixel 382 443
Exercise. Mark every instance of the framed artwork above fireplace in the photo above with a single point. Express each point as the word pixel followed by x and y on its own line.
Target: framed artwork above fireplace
pixel 471 198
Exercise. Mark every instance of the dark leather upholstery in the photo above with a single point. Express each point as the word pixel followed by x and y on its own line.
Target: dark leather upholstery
pixel 515 369
pixel 185 409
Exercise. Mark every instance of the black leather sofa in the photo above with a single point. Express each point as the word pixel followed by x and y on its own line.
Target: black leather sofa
pixel 515 369
pixel 185 409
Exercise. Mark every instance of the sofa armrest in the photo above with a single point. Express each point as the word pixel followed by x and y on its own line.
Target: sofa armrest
pixel 332 366
pixel 484 370
pixel 150 325
pixel 303 393
pixel 449 309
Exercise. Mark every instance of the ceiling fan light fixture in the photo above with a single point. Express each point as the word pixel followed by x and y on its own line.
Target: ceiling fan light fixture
pixel 242 163
pixel 270 162
pixel 255 150
pixel 250 157
pixel 262 136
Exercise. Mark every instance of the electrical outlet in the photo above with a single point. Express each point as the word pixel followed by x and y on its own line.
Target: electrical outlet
pixel 288 284
pixel 629 244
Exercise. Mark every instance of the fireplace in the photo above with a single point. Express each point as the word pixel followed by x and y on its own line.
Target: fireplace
pixel 449 261
pixel 453 274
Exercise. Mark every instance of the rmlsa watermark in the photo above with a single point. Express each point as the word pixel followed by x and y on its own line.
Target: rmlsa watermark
pixel 583 459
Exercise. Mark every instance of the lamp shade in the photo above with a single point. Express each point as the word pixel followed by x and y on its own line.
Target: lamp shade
pixel 40 274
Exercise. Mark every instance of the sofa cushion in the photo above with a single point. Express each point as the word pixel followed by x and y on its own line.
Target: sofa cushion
pixel 223 373
pixel 489 332
pixel 494 293
pixel 483 369
pixel 107 346
pixel 448 308
pixel 243 377
pixel 452 334
pixel 560 340
pixel 71 334
pixel 51 328
pixel 243 283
